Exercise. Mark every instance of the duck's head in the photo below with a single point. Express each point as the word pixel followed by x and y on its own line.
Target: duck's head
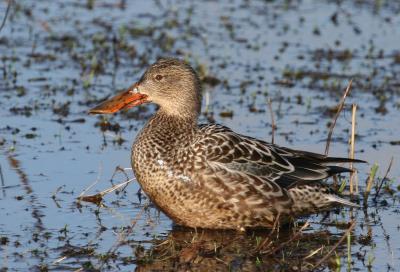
pixel 170 83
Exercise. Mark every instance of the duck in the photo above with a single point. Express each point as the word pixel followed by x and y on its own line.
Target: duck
pixel 208 176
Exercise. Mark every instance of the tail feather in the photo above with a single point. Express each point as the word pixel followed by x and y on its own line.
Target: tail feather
pixel 311 198
pixel 337 160
pixel 339 200
pixel 333 170
pixel 318 158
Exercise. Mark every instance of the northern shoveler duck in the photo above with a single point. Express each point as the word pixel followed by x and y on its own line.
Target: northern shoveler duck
pixel 208 176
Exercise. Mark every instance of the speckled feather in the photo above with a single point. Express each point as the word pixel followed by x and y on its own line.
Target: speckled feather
pixel 211 177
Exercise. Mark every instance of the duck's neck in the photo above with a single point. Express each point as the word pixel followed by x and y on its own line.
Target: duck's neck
pixel 171 128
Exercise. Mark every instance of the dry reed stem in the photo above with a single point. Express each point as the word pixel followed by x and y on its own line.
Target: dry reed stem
pixel 115 187
pixel 3 184
pixel 57 191
pixel 294 237
pixel 348 250
pixel 10 2
pixel 2 177
pixel 340 108
pixel 268 240
pixel 121 236
pixel 371 179
pixel 93 184
pixel 384 178
pixel 207 102
pixel 352 146
pixel 97 198
pixel 314 252
pixel 119 169
pixel 272 120
pixel 356 182
pixel 59 260
pixel 353 224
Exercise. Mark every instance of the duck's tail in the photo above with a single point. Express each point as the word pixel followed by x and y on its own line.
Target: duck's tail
pixel 313 198
pixel 339 160
pixel 337 199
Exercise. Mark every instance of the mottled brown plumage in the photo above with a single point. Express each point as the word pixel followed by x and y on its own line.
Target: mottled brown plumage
pixel 208 176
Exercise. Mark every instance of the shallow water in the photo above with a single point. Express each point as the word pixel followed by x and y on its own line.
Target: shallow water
pixel 60 59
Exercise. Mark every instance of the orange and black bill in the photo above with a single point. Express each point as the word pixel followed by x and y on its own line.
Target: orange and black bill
pixel 124 100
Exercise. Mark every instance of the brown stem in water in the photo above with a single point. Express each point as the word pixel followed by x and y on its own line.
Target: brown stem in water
pixel 353 224
pixel 268 240
pixel 272 120
pixel 352 147
pixel 340 108
pixel 10 2
pixel 292 238
pixel 384 178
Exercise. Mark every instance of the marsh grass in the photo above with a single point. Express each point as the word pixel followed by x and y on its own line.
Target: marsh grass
pixel 353 174
pixel 273 126
pixel 98 197
pixel 370 180
pixel 385 177
pixel 339 110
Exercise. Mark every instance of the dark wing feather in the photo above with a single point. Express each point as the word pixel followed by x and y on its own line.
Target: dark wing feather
pixel 283 166
pixel 241 153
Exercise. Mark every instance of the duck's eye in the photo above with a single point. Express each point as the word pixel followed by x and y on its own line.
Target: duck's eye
pixel 159 77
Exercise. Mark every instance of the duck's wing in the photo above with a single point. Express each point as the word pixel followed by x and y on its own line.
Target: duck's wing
pixel 283 166
pixel 239 173
pixel 258 179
